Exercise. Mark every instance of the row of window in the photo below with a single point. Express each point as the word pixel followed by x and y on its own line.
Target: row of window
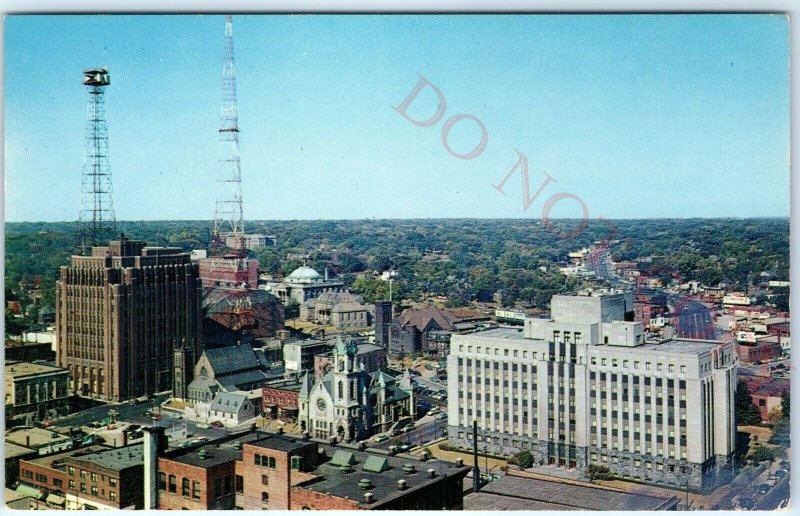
pixel 648 366
pixel 92 476
pixel 169 484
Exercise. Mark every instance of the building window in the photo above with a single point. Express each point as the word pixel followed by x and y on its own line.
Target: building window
pixel 296 463
pixel 83 474
pixel 112 495
pixel 683 368
pixel 71 471
pixel 72 484
pixel 93 477
pixel 218 487
pixel 94 490
pixel 647 366
pixel 264 480
pixel 228 485
pixel 264 497
pixel 196 489
pixel 162 482
pixel 602 361
pixel 257 459
pixel 272 464
pixel 614 362
pixel 658 367
pixel 624 363
pixel 172 485
pixel 239 484
pixel 83 488
pixel 185 487
pixel 672 368
pixel 112 482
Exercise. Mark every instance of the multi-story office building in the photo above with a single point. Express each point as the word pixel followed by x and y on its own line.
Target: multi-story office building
pixel 584 388
pixel 128 321
pixel 35 392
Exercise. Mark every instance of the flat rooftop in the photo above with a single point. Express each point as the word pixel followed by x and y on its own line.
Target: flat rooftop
pixel 383 471
pixel 214 456
pixel 21 369
pixel 116 459
pixel 34 437
pixel 278 442
pixel 686 346
pixel 503 332
pixel 533 493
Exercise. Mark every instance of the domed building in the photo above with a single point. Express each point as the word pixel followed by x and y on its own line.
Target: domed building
pixel 305 283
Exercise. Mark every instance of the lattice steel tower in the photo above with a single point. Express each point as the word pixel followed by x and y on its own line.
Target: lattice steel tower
pixel 228 216
pixel 96 220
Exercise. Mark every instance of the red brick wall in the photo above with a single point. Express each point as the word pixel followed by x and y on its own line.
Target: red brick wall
pixel 207 478
pixel 28 472
pixel 280 397
pixel 303 498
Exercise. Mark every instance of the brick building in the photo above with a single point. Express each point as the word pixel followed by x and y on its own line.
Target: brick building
pixel 279 400
pixel 761 351
pixel 35 392
pixel 259 471
pixel 128 321
pixel 89 478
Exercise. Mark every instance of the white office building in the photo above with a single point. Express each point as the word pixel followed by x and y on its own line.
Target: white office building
pixel 584 388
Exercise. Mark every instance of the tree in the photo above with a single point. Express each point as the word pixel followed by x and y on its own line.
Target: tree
pixel 785 404
pixel 746 411
pixel 598 472
pixel 761 454
pixel 292 310
pixel 525 459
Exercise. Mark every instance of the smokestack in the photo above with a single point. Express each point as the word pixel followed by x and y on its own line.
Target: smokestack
pixel 476 472
pixel 154 443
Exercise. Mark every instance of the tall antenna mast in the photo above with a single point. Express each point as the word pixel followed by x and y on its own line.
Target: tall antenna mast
pixel 96 219
pixel 228 216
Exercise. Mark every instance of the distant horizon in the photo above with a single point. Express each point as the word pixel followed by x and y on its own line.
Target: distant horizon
pixel 562 219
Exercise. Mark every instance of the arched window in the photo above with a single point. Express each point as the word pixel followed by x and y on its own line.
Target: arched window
pixel 341 390
pixel 203 372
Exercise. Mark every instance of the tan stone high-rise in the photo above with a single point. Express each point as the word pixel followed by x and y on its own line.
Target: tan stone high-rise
pixel 128 321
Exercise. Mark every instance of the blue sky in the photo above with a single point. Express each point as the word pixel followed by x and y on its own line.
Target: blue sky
pixel 638 116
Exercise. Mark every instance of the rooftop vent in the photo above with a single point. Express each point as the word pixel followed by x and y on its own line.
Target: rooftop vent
pixel 424 456
pixel 432 473
pixel 203 454
pixel 237 445
pixel 402 485
pixel 369 498
pixel 460 462
pixel 346 468
pixel 409 469
pixel 365 484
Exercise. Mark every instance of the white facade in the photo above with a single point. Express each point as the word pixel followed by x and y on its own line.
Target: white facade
pixel 583 387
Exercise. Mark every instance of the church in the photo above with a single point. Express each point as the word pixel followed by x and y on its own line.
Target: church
pixel 351 404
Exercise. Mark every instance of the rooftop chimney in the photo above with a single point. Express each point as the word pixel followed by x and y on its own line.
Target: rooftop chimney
pixel 401 485
pixel 432 473
pixel 369 498
pixel 154 443
pixel 280 431
pixel 460 462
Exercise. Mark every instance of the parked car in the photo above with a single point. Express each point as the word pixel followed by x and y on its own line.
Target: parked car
pixel 176 416
pixel 409 428
pixel 747 503
pixel 441 416
pixel 763 489
pixel 381 438
pixel 203 426
pixel 217 424
pixel 780 473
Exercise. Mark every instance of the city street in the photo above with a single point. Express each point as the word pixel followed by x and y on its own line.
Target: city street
pixel 693 319
pixel 424 433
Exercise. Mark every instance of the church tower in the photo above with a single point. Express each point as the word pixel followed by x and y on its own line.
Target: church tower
pixel 345 387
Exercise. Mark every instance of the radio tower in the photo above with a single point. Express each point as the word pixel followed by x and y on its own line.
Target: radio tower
pixel 96 220
pixel 229 264
pixel 228 217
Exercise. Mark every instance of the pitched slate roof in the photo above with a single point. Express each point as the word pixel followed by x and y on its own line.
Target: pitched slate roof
pixel 420 318
pixel 231 358
pixel 228 402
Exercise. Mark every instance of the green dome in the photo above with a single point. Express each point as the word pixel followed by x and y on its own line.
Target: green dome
pixel 304 274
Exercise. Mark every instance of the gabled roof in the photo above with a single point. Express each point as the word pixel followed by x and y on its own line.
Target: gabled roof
pixel 231 358
pixel 376 464
pixel 343 458
pixel 421 318
pixel 228 402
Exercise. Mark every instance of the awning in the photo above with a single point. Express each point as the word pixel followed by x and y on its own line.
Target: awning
pixel 55 499
pixel 29 491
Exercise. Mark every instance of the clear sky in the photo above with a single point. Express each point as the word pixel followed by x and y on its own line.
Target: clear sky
pixel 638 116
